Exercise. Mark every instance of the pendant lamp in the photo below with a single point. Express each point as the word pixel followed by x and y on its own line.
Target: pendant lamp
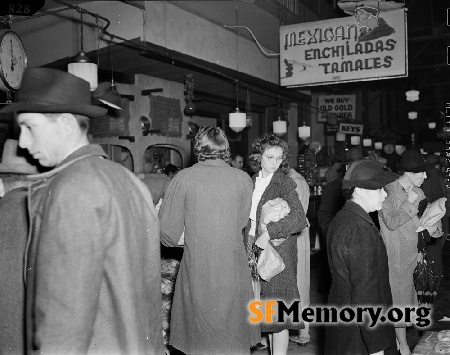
pixel 304 132
pixel 378 145
pixel 367 142
pixel 431 125
pixel 279 126
pixel 412 95
pixel 237 120
pixel 112 97
pixel 82 67
pixel 412 115
pixel 355 140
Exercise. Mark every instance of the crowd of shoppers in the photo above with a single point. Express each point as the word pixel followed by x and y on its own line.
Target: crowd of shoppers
pixel 85 236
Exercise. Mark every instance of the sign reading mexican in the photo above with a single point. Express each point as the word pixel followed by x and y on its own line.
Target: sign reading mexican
pixel 341 50
pixel 343 106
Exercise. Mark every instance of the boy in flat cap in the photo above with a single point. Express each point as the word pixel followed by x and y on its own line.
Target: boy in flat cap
pixel 359 263
pixel 93 260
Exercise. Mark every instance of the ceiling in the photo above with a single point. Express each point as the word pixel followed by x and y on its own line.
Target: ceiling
pixel 428 38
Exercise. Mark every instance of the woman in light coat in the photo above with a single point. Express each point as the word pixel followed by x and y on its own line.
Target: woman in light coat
pixel 399 223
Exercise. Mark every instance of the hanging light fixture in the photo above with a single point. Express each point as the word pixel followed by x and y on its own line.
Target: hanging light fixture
pixel 112 97
pixel 279 126
pixel 238 120
pixel 304 132
pixel 378 145
pixel 82 67
pixel 412 95
pixel 340 137
pixel 412 115
pixel 189 109
pixel 431 125
pixel 355 140
pixel 367 142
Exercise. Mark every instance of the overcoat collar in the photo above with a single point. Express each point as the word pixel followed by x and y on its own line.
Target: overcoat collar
pixel 355 208
pixel 215 162
pixel 84 151
pixel 276 178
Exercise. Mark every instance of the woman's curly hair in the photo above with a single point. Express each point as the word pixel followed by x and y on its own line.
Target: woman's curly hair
pixel 260 145
pixel 211 143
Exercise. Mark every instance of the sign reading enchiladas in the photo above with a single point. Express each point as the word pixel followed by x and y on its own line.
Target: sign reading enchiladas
pixel 341 50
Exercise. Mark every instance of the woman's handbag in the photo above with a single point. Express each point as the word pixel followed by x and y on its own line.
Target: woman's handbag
pixel 270 263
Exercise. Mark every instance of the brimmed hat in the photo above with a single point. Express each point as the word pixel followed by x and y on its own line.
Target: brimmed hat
pixel 14 159
pixel 349 7
pixel 412 161
pixel 46 90
pixel 432 159
pixel 367 174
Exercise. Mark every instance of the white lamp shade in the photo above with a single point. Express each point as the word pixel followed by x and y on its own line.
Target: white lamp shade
pixel 355 140
pixel 85 71
pixel 304 132
pixel 399 149
pixel 367 142
pixel 378 145
pixel 431 125
pixel 412 95
pixel 412 115
pixel 279 128
pixel 340 137
pixel 238 121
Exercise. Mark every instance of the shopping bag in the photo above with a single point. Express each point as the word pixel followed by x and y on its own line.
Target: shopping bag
pixel 270 263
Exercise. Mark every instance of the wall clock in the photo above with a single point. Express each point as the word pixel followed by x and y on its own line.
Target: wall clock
pixel 13 60
pixel 389 148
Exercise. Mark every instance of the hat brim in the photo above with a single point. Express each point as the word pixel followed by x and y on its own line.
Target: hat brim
pixel 18 169
pixel 374 183
pixel 419 169
pixel 85 110
pixel 349 6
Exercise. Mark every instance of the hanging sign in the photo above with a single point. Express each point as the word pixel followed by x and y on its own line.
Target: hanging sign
pixel 343 106
pixel 340 50
pixel 351 128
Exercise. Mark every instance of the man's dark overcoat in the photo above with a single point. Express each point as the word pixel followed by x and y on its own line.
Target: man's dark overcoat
pixel 359 268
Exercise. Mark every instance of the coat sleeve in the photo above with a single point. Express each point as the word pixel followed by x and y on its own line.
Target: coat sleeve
pixel 293 223
pixel 361 258
pixel 246 201
pixel 172 212
pixel 69 267
pixel 397 210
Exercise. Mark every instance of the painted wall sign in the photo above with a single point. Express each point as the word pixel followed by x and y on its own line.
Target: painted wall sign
pixel 336 51
pixel 351 128
pixel 343 106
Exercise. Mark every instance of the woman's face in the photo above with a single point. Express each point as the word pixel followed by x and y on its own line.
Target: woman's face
pixel 417 178
pixel 271 159
pixel 373 199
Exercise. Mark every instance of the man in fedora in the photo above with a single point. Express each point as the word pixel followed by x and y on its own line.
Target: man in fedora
pixel 14 171
pixel 93 259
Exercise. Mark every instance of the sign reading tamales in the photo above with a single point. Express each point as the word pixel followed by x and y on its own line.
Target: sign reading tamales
pixel 341 50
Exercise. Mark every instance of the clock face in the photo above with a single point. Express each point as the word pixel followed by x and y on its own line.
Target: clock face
pixel 13 61
pixel 389 149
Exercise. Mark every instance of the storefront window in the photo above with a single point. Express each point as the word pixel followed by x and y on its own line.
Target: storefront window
pixel 119 154
pixel 157 156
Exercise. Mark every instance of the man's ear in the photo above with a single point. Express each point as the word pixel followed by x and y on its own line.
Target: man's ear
pixel 69 122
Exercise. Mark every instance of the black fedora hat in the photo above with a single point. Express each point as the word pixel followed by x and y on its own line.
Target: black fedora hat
pixel 412 161
pixel 367 174
pixel 46 90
